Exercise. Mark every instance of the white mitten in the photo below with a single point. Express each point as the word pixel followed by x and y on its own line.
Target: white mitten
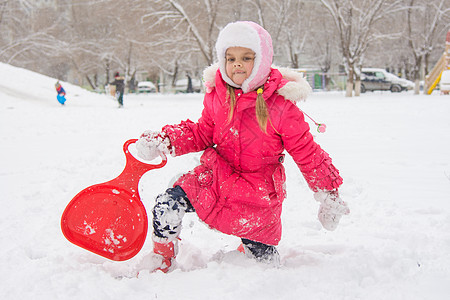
pixel 152 144
pixel 331 209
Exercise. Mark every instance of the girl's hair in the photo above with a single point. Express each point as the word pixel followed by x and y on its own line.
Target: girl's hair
pixel 261 111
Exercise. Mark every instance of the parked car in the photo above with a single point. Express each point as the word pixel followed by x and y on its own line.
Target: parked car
pixel 374 79
pixel 146 87
pixel 444 84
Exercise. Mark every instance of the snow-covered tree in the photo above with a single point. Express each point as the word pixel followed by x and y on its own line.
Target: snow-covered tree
pixel 355 20
pixel 427 24
pixel 193 22
pixel 88 40
pixel 293 29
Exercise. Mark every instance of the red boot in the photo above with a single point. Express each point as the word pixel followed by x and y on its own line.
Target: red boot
pixel 168 252
pixel 241 248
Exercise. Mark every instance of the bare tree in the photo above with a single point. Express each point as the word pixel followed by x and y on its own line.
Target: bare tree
pixel 199 21
pixel 427 23
pixel 26 36
pixel 3 4
pixel 86 40
pixel 291 31
pixel 355 22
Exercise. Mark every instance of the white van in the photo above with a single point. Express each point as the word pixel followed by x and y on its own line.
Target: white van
pixel 146 87
pixel 444 84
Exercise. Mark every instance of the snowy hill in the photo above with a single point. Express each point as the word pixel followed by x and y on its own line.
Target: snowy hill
pixel 392 151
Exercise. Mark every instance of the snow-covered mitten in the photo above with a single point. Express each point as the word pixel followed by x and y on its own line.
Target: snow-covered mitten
pixel 331 209
pixel 152 144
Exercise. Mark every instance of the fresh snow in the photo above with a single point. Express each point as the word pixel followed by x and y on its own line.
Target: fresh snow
pixel 393 151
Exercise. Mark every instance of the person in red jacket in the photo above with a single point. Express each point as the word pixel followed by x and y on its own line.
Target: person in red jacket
pixel 249 118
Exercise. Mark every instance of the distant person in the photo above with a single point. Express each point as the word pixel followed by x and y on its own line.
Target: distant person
pixel 61 93
pixel 190 88
pixel 119 82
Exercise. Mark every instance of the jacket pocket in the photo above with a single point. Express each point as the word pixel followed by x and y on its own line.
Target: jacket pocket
pixel 279 181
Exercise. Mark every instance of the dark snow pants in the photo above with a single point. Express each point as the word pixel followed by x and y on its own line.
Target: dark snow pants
pixel 119 97
pixel 168 214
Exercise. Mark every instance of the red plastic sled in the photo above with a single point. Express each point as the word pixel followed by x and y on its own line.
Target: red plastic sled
pixel 109 219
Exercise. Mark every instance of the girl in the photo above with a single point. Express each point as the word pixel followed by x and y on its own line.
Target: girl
pixel 249 119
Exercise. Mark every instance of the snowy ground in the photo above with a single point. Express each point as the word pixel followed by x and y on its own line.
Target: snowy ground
pixel 392 151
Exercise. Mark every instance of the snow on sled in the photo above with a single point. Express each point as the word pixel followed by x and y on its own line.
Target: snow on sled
pixel 109 219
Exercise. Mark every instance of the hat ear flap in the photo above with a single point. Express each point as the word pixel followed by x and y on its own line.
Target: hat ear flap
pixel 263 60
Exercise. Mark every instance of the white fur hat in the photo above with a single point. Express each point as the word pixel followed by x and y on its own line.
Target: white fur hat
pixel 248 35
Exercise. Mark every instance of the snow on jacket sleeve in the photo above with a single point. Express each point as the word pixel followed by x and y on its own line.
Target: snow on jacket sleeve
pixel 314 163
pixel 188 136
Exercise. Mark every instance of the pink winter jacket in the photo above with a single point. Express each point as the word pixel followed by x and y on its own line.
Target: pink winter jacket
pixel 239 187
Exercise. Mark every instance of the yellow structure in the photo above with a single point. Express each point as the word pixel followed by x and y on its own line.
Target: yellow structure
pixel 433 78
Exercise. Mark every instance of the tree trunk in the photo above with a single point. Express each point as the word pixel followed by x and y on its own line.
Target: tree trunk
pixel 107 70
pixel 357 87
pixel 349 89
pixel 417 87
pixel 90 81
pixel 175 74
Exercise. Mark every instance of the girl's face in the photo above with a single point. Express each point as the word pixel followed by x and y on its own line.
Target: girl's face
pixel 239 63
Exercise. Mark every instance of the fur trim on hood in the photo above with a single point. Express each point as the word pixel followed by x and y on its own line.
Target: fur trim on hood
pixel 295 89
